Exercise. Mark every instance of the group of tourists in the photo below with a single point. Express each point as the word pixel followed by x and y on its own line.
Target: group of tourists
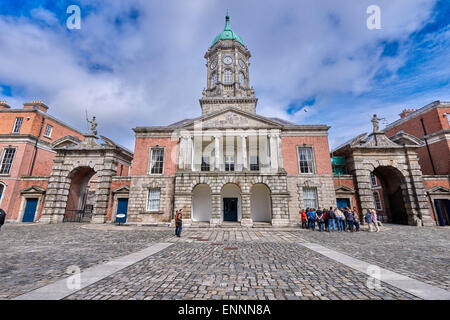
pixel 340 220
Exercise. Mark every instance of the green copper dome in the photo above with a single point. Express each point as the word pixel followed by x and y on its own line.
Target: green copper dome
pixel 227 34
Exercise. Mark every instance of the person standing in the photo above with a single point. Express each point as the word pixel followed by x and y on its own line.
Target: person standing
pixel 368 220
pixel 375 220
pixel 2 217
pixel 303 216
pixel 320 220
pixel 356 220
pixel 325 218
pixel 312 219
pixel 331 219
pixel 178 222
pixel 349 220
pixel 339 220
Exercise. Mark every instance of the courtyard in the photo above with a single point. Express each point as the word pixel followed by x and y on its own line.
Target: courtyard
pixel 224 263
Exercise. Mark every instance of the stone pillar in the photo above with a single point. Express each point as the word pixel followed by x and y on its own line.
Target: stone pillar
pixel 280 153
pixel 280 209
pixel 103 190
pixel 216 216
pixel 364 190
pixel 273 152
pixel 246 220
pixel 181 152
pixel 188 153
pixel 217 152
pixel 244 152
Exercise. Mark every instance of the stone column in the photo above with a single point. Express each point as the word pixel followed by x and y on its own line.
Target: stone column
pixel 273 152
pixel 365 193
pixel 103 190
pixel 246 220
pixel 244 152
pixel 280 209
pixel 181 152
pixel 280 153
pixel 216 217
pixel 217 152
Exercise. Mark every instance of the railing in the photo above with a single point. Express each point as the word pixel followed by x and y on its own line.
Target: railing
pixel 77 216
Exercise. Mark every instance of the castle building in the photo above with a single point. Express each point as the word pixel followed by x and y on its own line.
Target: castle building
pixel 228 166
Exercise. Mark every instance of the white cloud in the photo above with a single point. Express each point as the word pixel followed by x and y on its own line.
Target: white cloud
pixel 151 71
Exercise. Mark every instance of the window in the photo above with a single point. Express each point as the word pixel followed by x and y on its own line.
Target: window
pixel 305 159
pixel 229 163
pixel 18 125
pixel 377 201
pixel 254 163
pixel 310 198
pixel 154 196
pixel 214 79
pixel 228 77
pixel 157 161
pixel 7 160
pixel 241 79
pixel 205 164
pixel 373 179
pixel 48 131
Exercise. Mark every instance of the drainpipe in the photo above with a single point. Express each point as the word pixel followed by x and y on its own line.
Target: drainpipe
pixel 428 147
pixel 36 146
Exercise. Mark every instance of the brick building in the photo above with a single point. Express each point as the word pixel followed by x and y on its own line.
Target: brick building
pixel 27 136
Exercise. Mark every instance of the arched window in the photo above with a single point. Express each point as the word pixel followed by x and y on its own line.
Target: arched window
pixel 227 76
pixel 241 79
pixel 214 79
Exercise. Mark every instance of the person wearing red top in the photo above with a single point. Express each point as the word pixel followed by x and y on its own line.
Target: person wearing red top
pixel 303 215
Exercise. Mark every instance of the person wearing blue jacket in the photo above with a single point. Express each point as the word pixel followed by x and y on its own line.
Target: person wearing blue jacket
pixel 368 219
pixel 312 218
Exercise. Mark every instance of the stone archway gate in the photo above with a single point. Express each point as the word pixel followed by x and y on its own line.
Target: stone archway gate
pixel 72 153
pixel 366 153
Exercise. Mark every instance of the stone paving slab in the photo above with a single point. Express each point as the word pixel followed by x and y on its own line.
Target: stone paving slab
pixel 253 270
pixel 34 255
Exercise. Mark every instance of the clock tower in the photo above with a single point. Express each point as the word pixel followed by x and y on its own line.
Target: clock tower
pixel 228 83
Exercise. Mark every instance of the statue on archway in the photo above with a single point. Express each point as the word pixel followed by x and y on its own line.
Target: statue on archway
pixel 93 128
pixel 375 122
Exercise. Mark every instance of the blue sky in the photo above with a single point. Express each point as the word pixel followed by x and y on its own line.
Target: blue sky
pixel 136 63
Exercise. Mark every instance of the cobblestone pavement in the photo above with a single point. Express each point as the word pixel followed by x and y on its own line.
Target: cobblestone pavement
pixel 237 270
pixel 220 263
pixel 35 255
pixel 420 253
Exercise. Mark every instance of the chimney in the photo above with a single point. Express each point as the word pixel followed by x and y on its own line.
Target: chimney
pixel 39 105
pixel 406 112
pixel 4 106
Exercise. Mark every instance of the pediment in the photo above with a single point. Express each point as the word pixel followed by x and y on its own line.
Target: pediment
pixel 439 190
pixel 33 189
pixel 344 189
pixel 66 142
pixel 122 189
pixel 406 139
pixel 233 118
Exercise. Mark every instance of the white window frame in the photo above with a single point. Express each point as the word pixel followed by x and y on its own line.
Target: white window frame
pixel 316 200
pixel 3 191
pixel 51 130
pixel 373 179
pixel 227 76
pixel 313 159
pixel 157 200
pixel 3 158
pixel 229 160
pixel 15 124
pixel 377 204
pixel 151 160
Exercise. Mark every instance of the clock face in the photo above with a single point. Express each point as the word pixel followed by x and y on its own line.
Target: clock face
pixel 214 64
pixel 227 60
pixel 242 64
